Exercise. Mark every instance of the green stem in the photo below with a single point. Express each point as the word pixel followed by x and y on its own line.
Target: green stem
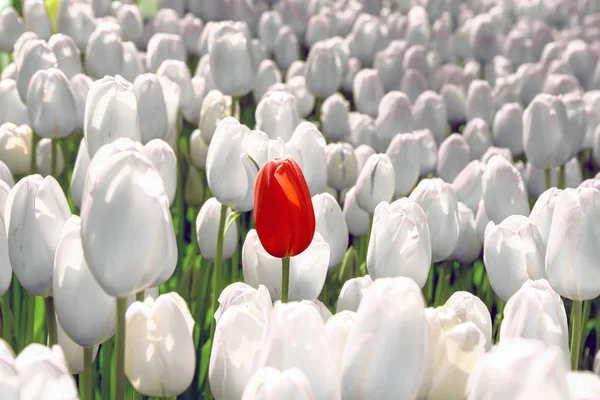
pixel 235 107
pixel 318 104
pixel 285 279
pixel 53 156
pixel 6 320
pixel 139 296
pixel 442 282
pixel 107 350
pixel 218 266
pixel 86 380
pixel 562 177
pixel 548 177
pixel 51 320
pixel 120 348
pixel 179 196
pixel 576 324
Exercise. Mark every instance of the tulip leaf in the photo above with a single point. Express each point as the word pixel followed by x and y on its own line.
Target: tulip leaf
pixel 231 219
pixel 205 358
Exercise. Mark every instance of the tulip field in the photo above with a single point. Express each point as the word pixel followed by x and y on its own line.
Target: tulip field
pixel 300 199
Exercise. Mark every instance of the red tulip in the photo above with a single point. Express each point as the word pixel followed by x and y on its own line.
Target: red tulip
pixel 283 211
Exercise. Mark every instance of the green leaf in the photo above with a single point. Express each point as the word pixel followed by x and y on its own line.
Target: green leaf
pixel 231 219
pixel 349 266
pixel 204 360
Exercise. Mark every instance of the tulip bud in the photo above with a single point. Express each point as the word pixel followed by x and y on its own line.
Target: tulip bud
pixel 454 98
pixel 166 20
pixel 162 365
pixel 32 57
pixel 43 158
pixel 342 168
pixel 508 128
pixel 428 151
pixel 323 71
pixel 11 27
pixel 368 91
pixel 400 242
pixel 67 54
pixel 480 102
pixel 483 39
pixel 331 224
pixel 367 37
pixel 15 147
pixel 394 116
pixel 468 247
pixel 375 182
pixel 574 211
pixel 269 26
pixel 470 308
pixel 72 351
pixel 271 384
pixel 388 63
pixel 352 68
pixel 207 225
pixel 307 270
pixel 110 112
pixel 503 190
pixel 335 122
pixel 478 137
pixel 305 101
pixel 80 86
pixel 401 329
pixel 467 184
pixel 164 46
pixel 12 108
pixel 152 109
pixel 516 239
pixel 429 112
pixel 75 290
pixel 215 107
pixel 51 104
pixel 536 311
pixel 104 52
pixel 582 385
pixel 127 175
pixel 311 145
pixel 352 293
pixel 403 151
pixel 287 48
pixel 543 210
pixel 268 74
pixel 453 157
pixel 36 18
pixel 35 212
pixel 277 115
pixel 519 368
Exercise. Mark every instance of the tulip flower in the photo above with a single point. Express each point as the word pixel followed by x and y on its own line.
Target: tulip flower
pixel 375 183
pixel 43 158
pixel 352 68
pixel 508 128
pixel 277 114
pixel 414 84
pixel 468 247
pixel 271 384
pixel 470 308
pixel 513 252
pixel 52 116
pixel 334 117
pixel 268 74
pixel 392 254
pixel 312 147
pixel 77 20
pixel 33 56
pixel 493 151
pixel 207 224
pixel 543 210
pixel 394 116
pixel 323 71
pixel 428 151
pixel 519 368
pixel 305 101
pixel 104 52
pixel 352 293
pixel 166 20
pixel 160 358
pixel 438 201
pixel 80 86
pixel 368 91
pixel 293 328
pixel 342 169
pixel 480 102
pixel 337 328
pixel 268 27
pixel 366 38
pixel 503 190
pixel 478 136
pixel 357 220
pixel 454 98
pixel 74 355
pixel 377 337
pixel 36 18
pixel 15 147
pixel 287 48
pixel 331 224
pixel 388 64
pixel 583 385
pixel 11 27
pixel 151 107
pixel 483 40
pixel 429 112
pixel 453 157
pixel 536 311
pixel 164 46
pixel 67 54
pixel 307 270
pixel 12 108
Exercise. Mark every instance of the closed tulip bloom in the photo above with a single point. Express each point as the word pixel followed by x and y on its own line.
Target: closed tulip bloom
pixel 323 71
pixel 342 167
pixel 388 63
pixel 151 107
pixel 67 54
pixel 580 61
pixel 134 184
pixel 404 151
pixel 131 22
pixel 483 39
pixel 80 86
pixel 352 293
pixel 164 160
pixel 394 116
pixel 362 129
pixel 312 147
pixel 470 308
pixel 239 293
pixel 287 48
pixel 513 252
pixel 519 368
pixel 268 27
pixel 337 328
pixel 414 83
pixel 281 195
pixel 133 62
pixel 277 114
pixel 111 111
pixel 268 74
pixel 480 102
pixel 164 46
pixel 503 190
pixel 366 38
pixel 478 136
pixel 368 91
pixel 305 101
pixel 72 351
pixel 178 72
pixel 166 20
pixel 543 210
pixel 15 147
pixel 571 242
pixel 104 52
pixel 583 385
pixel 191 113
pixel 12 108
pixel 357 219
pixel 207 225
pixel 52 116
pixel 320 27
pixel 468 247
pixel 377 338
pixel 400 242
pixel 270 384
pixel 33 56
pixel 76 19
pixel 454 98
pixel 215 107
pixel 331 224
pixel 428 151
pixel 508 128
pixel 43 158
pixel 160 359
pixel 11 27
pixel 77 294
pixel 82 162
pixel 36 18
pixel 536 311
pixel 453 157
pixel 438 201
pixel 335 122
pixel 375 182
pixel 352 68
pixel 307 270
pixel 35 212
pixel 429 112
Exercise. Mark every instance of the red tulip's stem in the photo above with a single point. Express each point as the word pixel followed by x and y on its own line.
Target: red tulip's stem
pixel 576 323
pixel 548 177
pixel 285 279
pixel 51 319
pixel 120 348
pixel 86 382
pixel 53 156
pixel 562 177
